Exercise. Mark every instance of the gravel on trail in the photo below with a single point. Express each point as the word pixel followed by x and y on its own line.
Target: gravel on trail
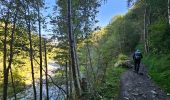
pixel 140 87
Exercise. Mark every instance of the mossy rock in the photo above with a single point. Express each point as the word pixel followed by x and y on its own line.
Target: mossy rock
pixel 123 61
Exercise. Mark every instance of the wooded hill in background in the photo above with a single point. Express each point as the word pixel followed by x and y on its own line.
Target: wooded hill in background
pixel 145 27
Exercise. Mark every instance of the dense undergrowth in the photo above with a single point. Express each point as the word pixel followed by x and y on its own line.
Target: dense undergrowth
pixel 110 88
pixel 159 69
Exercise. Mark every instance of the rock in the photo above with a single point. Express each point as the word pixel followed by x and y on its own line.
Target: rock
pixel 154 92
pixel 129 89
pixel 141 92
pixel 149 77
pixel 126 98
pixel 144 95
pixel 127 64
pixel 168 94
pixel 153 96
pixel 137 89
pixel 140 82
pixel 135 94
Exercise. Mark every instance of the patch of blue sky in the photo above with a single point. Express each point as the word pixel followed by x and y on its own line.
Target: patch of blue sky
pixel 106 12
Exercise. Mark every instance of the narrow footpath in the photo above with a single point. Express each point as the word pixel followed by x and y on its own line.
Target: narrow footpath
pixel 140 87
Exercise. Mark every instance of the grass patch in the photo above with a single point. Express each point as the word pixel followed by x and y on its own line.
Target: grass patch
pixel 159 70
pixel 110 90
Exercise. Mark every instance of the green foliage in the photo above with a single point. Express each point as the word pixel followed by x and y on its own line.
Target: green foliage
pixel 126 33
pixel 21 66
pixel 159 69
pixel 107 46
pixel 122 57
pixel 110 90
pixel 160 37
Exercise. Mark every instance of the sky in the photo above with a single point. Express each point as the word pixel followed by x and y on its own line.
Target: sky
pixel 106 12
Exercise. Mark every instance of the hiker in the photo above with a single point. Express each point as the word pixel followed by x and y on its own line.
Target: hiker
pixel 137 56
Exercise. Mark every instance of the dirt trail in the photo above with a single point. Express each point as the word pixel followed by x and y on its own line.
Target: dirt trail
pixel 140 87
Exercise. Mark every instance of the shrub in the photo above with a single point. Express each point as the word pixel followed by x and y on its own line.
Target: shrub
pixel 159 69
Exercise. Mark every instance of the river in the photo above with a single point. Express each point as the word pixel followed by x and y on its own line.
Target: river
pixel 54 92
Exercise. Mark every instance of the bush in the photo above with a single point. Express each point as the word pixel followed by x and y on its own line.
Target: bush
pixel 110 89
pixel 121 60
pixel 159 69
pixel 122 57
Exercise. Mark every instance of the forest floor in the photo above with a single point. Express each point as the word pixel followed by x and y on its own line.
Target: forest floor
pixel 140 86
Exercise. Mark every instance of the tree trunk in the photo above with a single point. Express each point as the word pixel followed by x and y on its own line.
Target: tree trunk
pixel 77 64
pixel 72 52
pixel 70 79
pixel 40 51
pixel 89 79
pixel 124 37
pixel 13 85
pixel 4 58
pixel 104 73
pixel 90 60
pixel 11 45
pixel 120 42
pixel 31 55
pixel 66 73
pixel 148 23
pixel 46 69
pixel 10 56
pixel 98 65
pixel 87 43
pixel 145 31
pixel 86 66
pixel 169 11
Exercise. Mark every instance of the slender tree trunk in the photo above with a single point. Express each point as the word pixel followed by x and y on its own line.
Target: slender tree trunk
pixel 12 41
pixel 98 64
pixel 4 59
pixel 145 31
pixel 87 43
pixel 66 79
pixel 120 44
pixel 10 57
pixel 72 52
pixel 76 61
pixel 87 69
pixel 31 54
pixel 46 69
pixel 77 64
pixel 123 37
pixel 169 11
pixel 40 52
pixel 148 23
pixel 104 73
pixel 90 60
pixel 13 85
pixel 89 79
pixel 70 79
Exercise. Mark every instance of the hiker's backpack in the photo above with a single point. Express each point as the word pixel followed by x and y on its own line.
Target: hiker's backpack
pixel 137 55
